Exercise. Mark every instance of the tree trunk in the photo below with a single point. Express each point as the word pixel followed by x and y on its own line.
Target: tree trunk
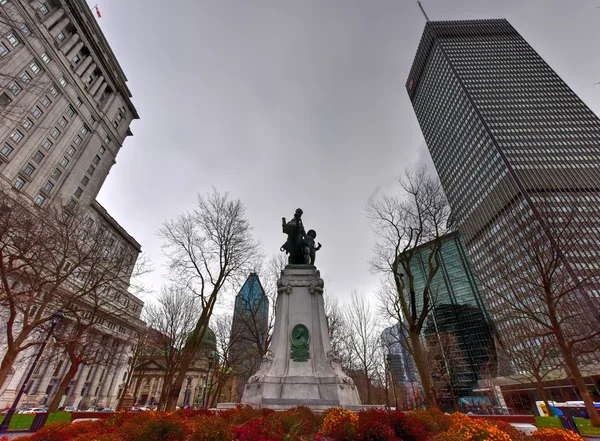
pixel 7 362
pixel 576 373
pixel 543 395
pixel 423 368
pixel 125 388
pixel 215 398
pixel 368 387
pixel 64 384
pixel 189 353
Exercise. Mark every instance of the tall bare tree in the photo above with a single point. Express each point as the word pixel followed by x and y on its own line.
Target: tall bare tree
pixel 546 294
pixel 363 340
pixel 172 318
pixel 335 324
pixel 229 361
pixel 141 346
pixel 405 227
pixel 207 249
pixel 52 259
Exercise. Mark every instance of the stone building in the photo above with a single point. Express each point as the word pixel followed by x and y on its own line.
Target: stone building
pixel 148 376
pixel 66 111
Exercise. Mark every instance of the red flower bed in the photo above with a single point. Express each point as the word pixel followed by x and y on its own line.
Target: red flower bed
pixel 298 424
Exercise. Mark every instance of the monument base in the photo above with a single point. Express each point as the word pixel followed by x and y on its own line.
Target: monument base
pixel 300 369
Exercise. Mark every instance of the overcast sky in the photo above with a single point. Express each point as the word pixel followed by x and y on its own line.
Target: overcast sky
pixel 290 104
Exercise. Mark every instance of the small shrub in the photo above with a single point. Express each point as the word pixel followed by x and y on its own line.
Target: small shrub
pixel 463 428
pixel 407 427
pixel 239 415
pixel 259 429
pixel 209 428
pixel 296 422
pixel 374 425
pixel 340 424
pixel 514 433
pixel 434 420
pixel 554 435
pixel 151 426
pixel 63 430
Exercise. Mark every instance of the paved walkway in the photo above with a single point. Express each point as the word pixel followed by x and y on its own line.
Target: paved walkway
pixel 15 435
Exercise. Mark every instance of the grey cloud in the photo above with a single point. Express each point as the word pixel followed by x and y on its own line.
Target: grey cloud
pixel 294 103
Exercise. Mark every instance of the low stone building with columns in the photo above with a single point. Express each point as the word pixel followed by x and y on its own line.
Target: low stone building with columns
pixel 66 111
pixel 148 377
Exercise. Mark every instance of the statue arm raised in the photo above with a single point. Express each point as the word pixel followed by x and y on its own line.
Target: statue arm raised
pixel 284 225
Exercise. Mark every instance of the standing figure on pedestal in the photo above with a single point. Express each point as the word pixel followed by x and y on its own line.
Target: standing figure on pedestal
pixel 294 246
pixel 309 247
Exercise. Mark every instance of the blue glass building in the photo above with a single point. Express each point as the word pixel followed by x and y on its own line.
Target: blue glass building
pixel 458 331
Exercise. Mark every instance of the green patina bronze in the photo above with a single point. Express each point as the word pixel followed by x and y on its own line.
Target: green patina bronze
pixel 300 343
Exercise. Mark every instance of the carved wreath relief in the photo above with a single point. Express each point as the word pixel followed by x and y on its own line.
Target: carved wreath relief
pixel 300 344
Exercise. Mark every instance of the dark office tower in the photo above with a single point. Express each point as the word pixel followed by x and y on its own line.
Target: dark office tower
pixel 514 147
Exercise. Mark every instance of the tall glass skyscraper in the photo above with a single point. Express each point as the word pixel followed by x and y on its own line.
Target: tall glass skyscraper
pixel 513 145
pixel 459 333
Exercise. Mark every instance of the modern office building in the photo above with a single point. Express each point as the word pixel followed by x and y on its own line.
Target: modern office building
pixel 400 367
pixel 516 151
pixel 249 329
pixel 65 112
pixel 458 332
pixel 399 362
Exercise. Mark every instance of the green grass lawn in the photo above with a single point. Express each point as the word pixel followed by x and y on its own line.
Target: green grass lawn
pixel 23 422
pixel 19 422
pixel 548 423
pixel 585 427
pixel 58 416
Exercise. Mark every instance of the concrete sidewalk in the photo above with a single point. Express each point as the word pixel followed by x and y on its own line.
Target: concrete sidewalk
pixel 13 435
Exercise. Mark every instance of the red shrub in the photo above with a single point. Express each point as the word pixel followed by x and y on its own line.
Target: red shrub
pixel 554 435
pixel 153 426
pixel 407 427
pixel 374 425
pixel 209 428
pixel 63 431
pixel 514 433
pixel 296 422
pixel 239 415
pixel 339 424
pixel 434 420
pixel 259 429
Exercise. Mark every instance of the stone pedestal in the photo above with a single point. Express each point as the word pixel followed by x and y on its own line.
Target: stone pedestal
pixel 300 369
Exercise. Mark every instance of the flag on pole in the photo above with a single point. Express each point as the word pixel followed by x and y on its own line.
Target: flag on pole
pixel 98 12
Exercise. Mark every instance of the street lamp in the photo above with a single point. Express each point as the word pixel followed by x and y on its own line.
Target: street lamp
pixel 211 358
pixel 56 318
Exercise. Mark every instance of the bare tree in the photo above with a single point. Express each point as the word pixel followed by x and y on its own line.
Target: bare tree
pixel 140 348
pixel 363 340
pixel 52 259
pixel 172 318
pixel 446 362
pixel 229 359
pixel 544 296
pixel 405 227
pixel 534 359
pixel 207 249
pixel 335 324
